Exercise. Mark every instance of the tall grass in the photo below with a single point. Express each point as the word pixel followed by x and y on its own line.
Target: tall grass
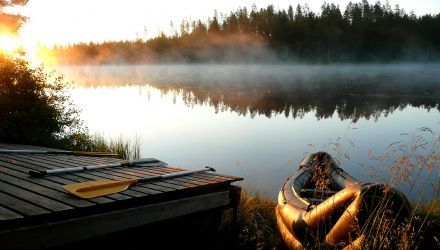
pixel 255 225
pixel 409 164
pixel 125 148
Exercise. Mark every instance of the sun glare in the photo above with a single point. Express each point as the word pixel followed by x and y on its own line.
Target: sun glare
pixel 8 44
pixel 35 53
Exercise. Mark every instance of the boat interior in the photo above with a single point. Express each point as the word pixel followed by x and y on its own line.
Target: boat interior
pixel 321 179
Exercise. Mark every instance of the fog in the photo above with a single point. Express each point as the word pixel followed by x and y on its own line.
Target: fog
pixel 353 91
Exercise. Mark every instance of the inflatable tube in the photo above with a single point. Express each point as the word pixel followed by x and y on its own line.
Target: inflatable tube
pixel 320 204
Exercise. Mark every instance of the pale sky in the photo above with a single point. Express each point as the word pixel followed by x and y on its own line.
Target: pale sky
pixel 70 21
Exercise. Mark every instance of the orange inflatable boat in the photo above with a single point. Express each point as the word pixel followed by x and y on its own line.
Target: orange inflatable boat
pixel 320 204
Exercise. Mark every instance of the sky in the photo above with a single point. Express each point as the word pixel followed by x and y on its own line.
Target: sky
pixel 72 21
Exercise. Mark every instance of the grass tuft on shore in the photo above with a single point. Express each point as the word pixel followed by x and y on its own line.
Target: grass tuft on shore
pixel 255 227
pixel 125 148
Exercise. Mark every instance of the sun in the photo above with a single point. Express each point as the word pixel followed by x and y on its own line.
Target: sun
pixel 8 44
pixel 36 54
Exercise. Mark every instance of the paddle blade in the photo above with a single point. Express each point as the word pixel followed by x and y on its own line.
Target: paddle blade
pixel 92 189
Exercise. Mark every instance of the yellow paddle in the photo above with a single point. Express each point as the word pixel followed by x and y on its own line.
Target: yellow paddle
pixel 92 189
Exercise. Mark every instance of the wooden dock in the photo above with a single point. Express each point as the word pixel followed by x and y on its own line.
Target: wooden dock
pixel 37 213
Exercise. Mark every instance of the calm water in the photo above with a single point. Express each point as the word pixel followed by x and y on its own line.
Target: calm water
pixel 258 121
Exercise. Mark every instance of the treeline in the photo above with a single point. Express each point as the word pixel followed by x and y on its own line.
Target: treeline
pixel 363 32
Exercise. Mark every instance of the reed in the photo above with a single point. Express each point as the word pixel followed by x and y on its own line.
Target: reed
pixel 125 148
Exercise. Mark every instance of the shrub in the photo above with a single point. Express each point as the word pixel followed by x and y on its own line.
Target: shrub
pixel 34 106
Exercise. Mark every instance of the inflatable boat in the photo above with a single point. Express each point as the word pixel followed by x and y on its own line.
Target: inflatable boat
pixel 321 204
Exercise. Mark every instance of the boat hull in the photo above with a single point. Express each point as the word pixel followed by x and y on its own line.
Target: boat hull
pixel 337 220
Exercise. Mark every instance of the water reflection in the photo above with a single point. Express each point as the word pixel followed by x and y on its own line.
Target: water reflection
pixel 182 114
pixel 352 92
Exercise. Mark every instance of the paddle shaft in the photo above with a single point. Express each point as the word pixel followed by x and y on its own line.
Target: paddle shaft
pixel 40 173
pixel 130 182
pixel 172 175
pixel 29 151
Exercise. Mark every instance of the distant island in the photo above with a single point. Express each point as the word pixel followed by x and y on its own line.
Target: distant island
pixel 362 33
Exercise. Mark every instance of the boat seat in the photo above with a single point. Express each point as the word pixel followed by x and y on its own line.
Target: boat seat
pixel 310 192
pixel 315 201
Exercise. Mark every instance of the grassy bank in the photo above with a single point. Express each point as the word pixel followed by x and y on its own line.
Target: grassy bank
pixel 256 226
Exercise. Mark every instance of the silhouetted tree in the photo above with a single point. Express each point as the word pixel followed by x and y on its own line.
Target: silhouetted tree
pixel 10 23
pixel 33 110
pixel 214 25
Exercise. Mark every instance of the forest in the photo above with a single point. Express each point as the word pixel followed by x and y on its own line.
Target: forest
pixel 362 32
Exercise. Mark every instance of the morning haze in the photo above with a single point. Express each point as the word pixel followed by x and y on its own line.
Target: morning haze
pixel 361 64
pixel 362 32
pixel 256 91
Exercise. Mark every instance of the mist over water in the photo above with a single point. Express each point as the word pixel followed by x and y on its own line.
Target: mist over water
pixel 257 121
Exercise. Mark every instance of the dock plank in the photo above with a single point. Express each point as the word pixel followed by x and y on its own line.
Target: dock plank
pixel 140 174
pixel 54 234
pixel 6 214
pixel 35 164
pixel 54 182
pixel 50 188
pixel 136 191
pixel 60 196
pixel 21 206
pixel 30 206
pixel 163 186
pixel 184 181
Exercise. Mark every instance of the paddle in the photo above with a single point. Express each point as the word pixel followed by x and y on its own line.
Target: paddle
pixel 92 189
pixel 27 151
pixel 41 173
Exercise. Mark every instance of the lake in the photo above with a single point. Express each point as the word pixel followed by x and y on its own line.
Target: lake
pixel 258 121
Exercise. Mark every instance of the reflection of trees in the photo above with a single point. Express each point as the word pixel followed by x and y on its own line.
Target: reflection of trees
pixel 353 92
pixel 298 102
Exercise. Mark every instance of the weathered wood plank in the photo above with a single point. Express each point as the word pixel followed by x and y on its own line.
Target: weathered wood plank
pixel 35 164
pixel 75 160
pixel 170 169
pixel 136 191
pixel 140 174
pixel 33 197
pixel 48 181
pixel 188 179
pixel 44 194
pixel 21 206
pixel 200 179
pixel 70 160
pixel 109 174
pixel 159 185
pixel 6 214
pixel 50 188
pixel 54 234
pixel 60 196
